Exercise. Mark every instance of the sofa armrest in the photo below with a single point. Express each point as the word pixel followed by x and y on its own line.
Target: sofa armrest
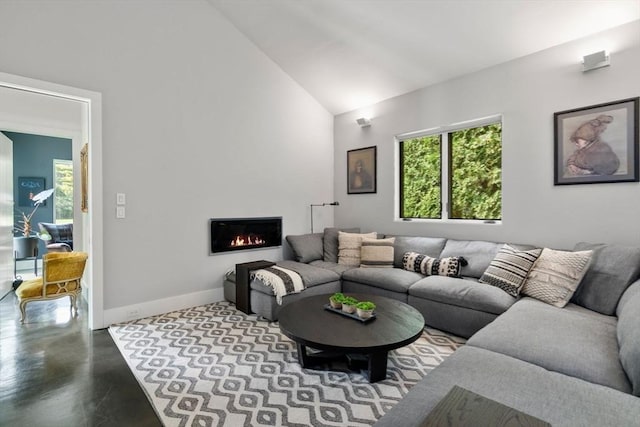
pixel 58 247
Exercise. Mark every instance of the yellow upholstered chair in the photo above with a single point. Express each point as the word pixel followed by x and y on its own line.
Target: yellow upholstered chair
pixel 61 274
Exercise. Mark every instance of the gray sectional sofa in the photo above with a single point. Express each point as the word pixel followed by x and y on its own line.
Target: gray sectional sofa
pixel 572 366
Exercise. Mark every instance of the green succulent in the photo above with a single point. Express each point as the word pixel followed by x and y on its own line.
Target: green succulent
pixel 337 297
pixel 366 305
pixel 349 301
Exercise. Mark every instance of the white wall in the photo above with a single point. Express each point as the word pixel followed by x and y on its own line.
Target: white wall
pixel 197 123
pixel 526 92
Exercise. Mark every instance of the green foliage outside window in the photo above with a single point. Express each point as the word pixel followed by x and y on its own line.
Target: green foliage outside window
pixel 476 163
pixel 421 177
pixel 476 168
pixel 63 196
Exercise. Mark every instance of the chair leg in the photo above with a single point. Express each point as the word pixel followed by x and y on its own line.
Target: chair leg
pixel 74 305
pixel 23 307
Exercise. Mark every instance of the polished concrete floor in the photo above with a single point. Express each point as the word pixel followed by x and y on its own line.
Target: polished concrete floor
pixel 54 371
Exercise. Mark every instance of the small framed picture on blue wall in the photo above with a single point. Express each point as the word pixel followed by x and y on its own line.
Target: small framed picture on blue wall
pixel 29 187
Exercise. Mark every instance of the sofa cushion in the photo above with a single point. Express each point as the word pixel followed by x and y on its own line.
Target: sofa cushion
pixel 330 242
pixel 612 270
pixel 509 269
pixel 573 341
pixel 431 246
pixel 392 279
pixel 467 292
pixel 307 247
pixel 377 253
pixel 332 266
pixel 424 264
pixel 629 335
pixel 555 398
pixel 556 275
pixel 350 245
pixel 478 254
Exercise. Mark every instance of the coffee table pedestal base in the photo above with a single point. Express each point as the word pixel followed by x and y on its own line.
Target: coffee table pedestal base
pixel 376 363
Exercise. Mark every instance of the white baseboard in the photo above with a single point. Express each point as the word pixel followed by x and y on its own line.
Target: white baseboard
pixel 160 306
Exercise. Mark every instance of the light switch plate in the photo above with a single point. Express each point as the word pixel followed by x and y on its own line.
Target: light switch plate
pixel 121 199
pixel 120 212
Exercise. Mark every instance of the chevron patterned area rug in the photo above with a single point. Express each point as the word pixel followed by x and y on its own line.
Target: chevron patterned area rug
pixel 216 366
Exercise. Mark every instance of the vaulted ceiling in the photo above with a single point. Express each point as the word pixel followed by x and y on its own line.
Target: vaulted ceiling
pixel 352 53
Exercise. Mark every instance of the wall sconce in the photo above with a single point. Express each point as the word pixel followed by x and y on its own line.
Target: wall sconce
pixel 323 204
pixel 363 122
pixel 595 61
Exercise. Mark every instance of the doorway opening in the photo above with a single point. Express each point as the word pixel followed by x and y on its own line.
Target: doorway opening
pixel 38 107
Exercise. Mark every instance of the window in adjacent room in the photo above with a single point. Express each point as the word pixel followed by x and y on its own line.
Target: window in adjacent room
pixel 453 172
pixel 63 196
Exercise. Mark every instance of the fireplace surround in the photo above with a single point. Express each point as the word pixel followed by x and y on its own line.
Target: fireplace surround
pixel 238 234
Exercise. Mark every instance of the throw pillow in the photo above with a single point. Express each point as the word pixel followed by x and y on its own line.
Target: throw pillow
pixel 556 275
pixel 428 266
pixel 509 269
pixel 330 242
pixel 307 247
pixel 377 253
pixel 349 245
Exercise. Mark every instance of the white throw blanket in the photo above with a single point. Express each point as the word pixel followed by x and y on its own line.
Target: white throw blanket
pixel 282 280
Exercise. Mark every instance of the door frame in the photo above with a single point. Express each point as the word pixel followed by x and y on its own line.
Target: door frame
pixel 91 133
pixel 7 261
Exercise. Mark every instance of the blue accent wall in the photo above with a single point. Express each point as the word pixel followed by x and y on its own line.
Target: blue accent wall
pixel 33 157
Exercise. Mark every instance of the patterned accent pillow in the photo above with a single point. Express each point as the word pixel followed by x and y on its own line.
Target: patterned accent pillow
pixel 509 269
pixel 349 245
pixel 428 266
pixel 377 253
pixel 555 276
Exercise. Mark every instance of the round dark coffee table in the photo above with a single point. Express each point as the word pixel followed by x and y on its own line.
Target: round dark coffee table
pixel 308 324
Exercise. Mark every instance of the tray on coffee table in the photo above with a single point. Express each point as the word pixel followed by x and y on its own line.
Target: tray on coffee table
pixel 351 315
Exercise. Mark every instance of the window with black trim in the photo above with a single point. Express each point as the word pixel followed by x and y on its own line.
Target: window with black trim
pixel 455 173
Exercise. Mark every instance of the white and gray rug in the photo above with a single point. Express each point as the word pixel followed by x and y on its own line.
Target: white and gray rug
pixel 215 366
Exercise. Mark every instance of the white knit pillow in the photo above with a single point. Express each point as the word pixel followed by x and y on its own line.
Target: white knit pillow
pixel 349 245
pixel 555 276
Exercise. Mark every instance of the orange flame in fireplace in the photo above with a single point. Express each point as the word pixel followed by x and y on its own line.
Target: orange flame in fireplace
pixel 247 241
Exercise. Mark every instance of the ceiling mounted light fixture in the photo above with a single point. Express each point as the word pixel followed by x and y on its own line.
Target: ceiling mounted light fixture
pixel 363 122
pixel 595 61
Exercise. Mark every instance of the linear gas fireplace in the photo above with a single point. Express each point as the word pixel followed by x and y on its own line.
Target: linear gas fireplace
pixel 236 234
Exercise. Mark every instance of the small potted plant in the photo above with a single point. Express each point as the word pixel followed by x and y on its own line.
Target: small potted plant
pixel 25 246
pixel 365 309
pixel 336 300
pixel 349 305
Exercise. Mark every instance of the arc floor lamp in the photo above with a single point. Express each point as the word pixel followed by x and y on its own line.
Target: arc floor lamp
pixel 323 204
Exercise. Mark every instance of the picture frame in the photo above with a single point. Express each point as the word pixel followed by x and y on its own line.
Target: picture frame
pixel 29 186
pixel 84 178
pixel 362 170
pixel 597 144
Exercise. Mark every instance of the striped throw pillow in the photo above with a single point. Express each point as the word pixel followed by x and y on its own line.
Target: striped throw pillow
pixel 508 270
pixel 377 253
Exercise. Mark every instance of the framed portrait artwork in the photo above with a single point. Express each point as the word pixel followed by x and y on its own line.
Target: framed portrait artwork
pixel 29 187
pixel 597 144
pixel 361 170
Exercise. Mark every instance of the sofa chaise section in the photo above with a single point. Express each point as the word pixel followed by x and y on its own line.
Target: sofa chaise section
pixel 317 281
